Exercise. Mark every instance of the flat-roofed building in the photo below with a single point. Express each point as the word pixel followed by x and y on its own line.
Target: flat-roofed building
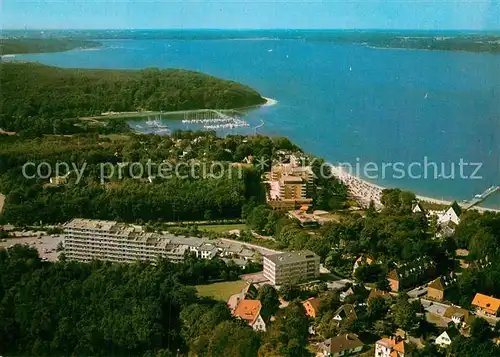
pixel 291 267
pixel 290 186
pixel 87 240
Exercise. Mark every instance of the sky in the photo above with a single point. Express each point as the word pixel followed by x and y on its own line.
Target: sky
pixel 251 14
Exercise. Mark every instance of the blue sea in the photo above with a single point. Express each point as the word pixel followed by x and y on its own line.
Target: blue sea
pixel 350 103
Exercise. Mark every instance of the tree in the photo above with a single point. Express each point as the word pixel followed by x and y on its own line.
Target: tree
pixel 369 273
pixel 233 338
pixel 377 308
pixel 269 299
pixel 288 335
pixel 383 284
pixel 404 314
pixel 480 329
pixel 289 292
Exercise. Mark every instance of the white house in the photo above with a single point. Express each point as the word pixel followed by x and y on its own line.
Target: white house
pixel 417 208
pixel 445 339
pixel 452 214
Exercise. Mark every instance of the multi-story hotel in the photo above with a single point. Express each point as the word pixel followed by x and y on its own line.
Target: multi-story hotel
pixel 290 186
pixel 291 267
pixel 87 239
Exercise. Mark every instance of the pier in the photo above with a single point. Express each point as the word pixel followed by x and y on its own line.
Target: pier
pixel 480 198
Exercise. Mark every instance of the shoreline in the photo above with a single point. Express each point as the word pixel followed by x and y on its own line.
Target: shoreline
pixel 366 191
pixel 106 115
pixel 269 102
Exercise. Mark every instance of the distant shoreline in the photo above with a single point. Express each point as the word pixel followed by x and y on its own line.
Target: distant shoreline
pixel 269 102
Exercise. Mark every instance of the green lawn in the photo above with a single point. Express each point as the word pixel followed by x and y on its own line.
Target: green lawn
pixel 221 291
pixel 221 228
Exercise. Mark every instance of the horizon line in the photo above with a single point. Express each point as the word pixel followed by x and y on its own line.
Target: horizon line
pixel 245 29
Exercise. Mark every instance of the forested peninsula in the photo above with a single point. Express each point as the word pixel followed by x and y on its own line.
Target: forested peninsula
pixel 51 96
pixel 38 45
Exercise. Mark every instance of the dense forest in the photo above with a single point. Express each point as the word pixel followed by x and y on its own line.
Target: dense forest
pixel 39 45
pixel 51 95
pixel 189 196
pixel 103 309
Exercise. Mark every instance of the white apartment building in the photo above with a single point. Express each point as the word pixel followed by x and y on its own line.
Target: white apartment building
pixel 291 267
pixel 86 240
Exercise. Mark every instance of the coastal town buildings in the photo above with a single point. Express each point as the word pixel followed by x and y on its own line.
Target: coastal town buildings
pixel 87 240
pixel 310 219
pixel 458 316
pixel 446 338
pixel 411 274
pixel 486 305
pixel 290 186
pixel 311 306
pixel 450 215
pixel 390 347
pixel 344 314
pixel 291 267
pixel 362 260
pixel 249 292
pixel 436 288
pixel 249 311
pixel 342 345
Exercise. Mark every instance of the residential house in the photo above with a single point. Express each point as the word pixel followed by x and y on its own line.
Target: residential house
pixel 249 310
pixel 417 208
pixel 344 314
pixel 390 347
pixel 436 288
pixel 459 316
pixel 311 306
pixel 342 345
pixel 450 215
pixel 345 294
pixel 362 260
pixel 411 274
pixel 447 337
pixel 486 304
pixel 354 290
pixel 249 292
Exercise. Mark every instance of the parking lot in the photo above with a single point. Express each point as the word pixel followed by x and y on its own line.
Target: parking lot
pixel 45 244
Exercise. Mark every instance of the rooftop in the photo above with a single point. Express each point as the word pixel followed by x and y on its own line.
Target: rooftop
pixel 248 310
pixel 291 257
pixel 342 343
pixel 486 302
pixel 314 302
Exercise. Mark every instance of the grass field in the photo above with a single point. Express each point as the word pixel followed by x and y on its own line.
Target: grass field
pixel 221 228
pixel 221 291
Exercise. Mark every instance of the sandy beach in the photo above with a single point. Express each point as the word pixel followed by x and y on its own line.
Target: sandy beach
pixel 269 102
pixel 365 191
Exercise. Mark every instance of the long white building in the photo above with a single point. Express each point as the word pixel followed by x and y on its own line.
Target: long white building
pixel 86 240
pixel 291 267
